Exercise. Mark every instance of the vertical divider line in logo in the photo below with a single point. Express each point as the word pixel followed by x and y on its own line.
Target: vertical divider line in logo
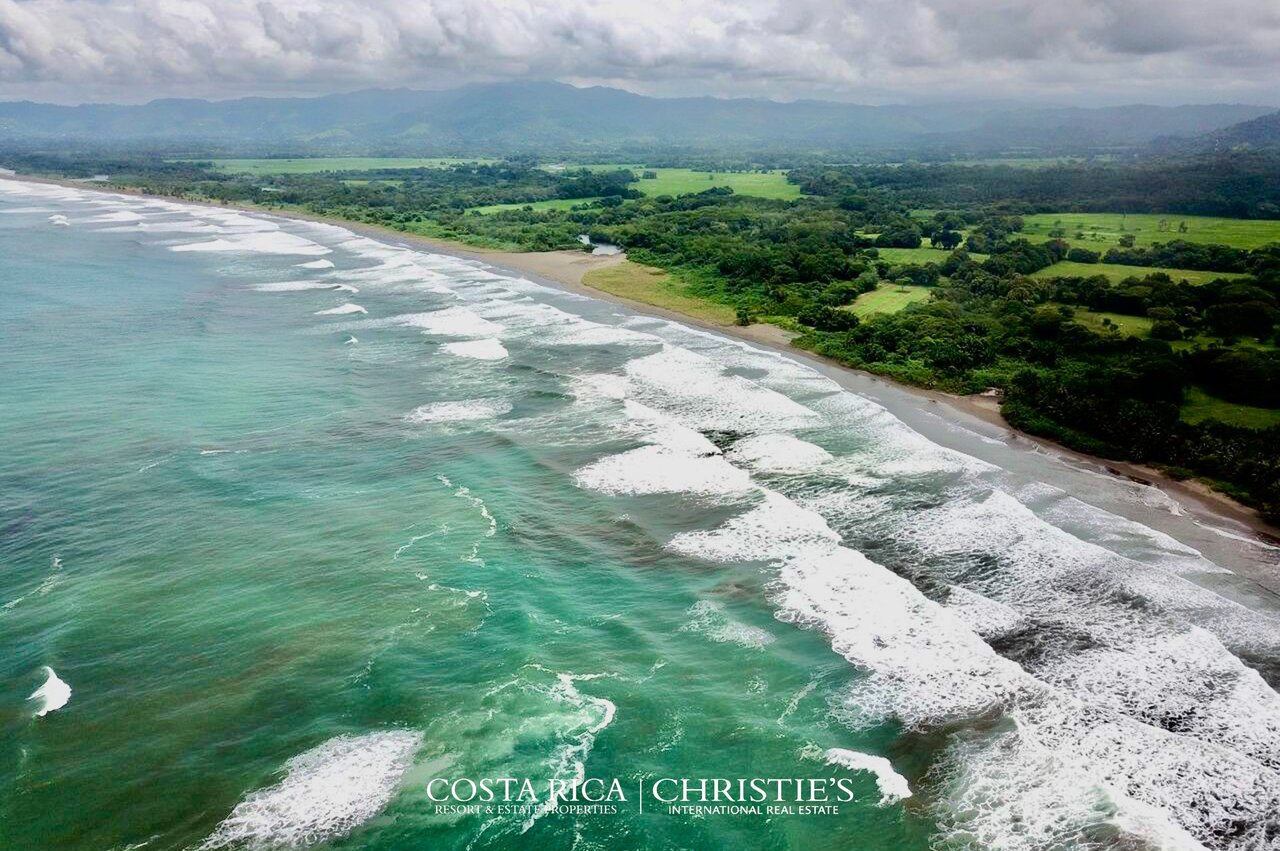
pixel 641 784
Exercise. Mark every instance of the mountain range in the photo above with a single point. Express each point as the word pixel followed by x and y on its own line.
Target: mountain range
pixel 527 115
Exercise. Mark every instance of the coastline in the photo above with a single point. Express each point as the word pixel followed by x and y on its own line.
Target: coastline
pixel 566 270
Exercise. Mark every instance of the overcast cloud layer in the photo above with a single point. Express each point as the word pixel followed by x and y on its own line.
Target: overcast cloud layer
pixel 1072 51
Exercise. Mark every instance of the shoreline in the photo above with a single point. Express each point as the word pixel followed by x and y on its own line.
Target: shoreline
pixel 565 270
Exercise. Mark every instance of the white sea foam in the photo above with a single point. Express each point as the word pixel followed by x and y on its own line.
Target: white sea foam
pixel 892 785
pixel 59 220
pixel 257 242
pixel 53 694
pixel 708 618
pixel 452 322
pixel 342 310
pixel 696 391
pixel 315 264
pixel 775 529
pixel 568 762
pixel 117 216
pixel 661 430
pixel 477 349
pixel 326 793
pixel 292 286
pixel 465 410
pixel 779 453
pixel 657 470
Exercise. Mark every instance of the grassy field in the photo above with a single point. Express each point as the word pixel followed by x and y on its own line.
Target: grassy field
pixel 919 256
pixel 1103 230
pixel 1136 326
pixel 308 165
pixel 684 181
pixel 658 288
pixel 1200 406
pixel 553 204
pixel 889 298
pixel 1116 272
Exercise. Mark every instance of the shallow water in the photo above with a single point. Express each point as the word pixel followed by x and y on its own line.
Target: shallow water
pixel 303 520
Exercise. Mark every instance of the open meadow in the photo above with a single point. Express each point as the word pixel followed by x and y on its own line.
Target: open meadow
pixel 1103 230
pixel 1117 272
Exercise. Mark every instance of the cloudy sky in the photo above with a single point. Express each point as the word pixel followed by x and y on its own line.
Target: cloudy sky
pixel 871 51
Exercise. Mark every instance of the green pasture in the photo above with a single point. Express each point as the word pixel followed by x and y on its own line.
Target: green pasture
pixel 1116 272
pixel 1103 230
pixel 888 298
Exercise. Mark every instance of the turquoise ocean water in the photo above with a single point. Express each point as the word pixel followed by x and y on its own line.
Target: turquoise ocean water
pixel 304 520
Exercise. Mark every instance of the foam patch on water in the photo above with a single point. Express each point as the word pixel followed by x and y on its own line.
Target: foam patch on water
pixel 452 322
pixel 257 242
pixel 59 220
pixel 315 264
pixel 779 453
pixel 985 616
pixel 342 310
pixel 452 412
pixel 117 216
pixel 52 695
pixel 326 793
pixel 708 618
pixel 775 529
pixel 696 391
pixel 892 785
pixel 661 430
pixel 658 470
pixel 292 286
pixel 477 349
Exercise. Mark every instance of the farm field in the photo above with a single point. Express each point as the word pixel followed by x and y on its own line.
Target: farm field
pixel 888 298
pixel 1103 230
pixel 1199 406
pixel 1116 272
pixel 310 165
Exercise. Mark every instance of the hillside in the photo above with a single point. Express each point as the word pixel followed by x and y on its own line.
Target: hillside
pixel 515 116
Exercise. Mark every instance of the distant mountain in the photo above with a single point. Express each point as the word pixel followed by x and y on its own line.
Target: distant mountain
pixel 1261 132
pixel 527 115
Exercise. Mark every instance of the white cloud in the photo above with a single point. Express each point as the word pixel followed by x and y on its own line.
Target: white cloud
pixel 858 49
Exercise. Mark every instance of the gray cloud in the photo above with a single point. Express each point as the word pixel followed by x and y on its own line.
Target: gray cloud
pixel 865 50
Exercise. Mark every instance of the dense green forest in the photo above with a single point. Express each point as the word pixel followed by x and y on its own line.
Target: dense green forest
pixel 1060 347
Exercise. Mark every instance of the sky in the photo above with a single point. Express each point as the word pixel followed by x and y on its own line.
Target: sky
pixel 1085 52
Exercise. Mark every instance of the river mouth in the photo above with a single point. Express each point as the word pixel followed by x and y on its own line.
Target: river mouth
pixel 297 538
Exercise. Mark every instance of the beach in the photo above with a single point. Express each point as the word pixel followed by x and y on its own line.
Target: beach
pixel 567 270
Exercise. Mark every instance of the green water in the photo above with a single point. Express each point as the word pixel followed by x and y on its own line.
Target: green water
pixel 224 528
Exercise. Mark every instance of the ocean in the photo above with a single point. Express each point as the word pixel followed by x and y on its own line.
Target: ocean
pixel 296 523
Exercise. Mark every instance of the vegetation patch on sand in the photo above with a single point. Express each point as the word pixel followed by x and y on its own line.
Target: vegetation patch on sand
pixel 648 285
pixel 1104 230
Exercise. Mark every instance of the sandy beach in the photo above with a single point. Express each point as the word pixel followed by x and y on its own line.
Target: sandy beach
pixel 567 269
